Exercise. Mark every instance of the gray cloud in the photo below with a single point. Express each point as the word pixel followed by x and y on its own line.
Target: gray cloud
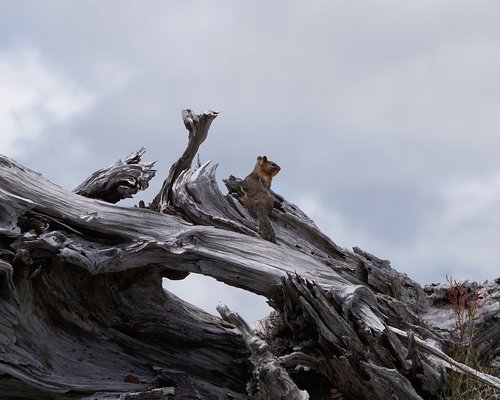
pixel 383 115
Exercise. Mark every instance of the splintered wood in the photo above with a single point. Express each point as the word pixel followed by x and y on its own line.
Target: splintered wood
pixel 83 311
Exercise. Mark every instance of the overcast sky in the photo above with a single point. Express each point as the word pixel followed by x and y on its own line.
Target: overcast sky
pixel 384 115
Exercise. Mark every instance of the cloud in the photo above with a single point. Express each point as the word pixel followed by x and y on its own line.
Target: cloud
pixel 207 293
pixel 465 234
pixel 33 97
pixel 330 221
pixel 458 236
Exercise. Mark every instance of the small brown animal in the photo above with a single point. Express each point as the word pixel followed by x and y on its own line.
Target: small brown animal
pixel 257 196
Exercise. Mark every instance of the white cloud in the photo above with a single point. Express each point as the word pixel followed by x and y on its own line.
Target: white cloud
pixel 33 97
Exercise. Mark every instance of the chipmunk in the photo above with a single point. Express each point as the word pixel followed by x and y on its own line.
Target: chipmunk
pixel 257 197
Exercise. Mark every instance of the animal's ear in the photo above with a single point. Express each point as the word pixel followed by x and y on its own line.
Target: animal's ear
pixel 259 159
pixel 264 158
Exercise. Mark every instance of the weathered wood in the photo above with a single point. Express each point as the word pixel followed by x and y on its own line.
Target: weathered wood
pixel 270 379
pixel 197 126
pixel 449 362
pixel 441 314
pixel 86 321
pixel 121 180
pixel 80 279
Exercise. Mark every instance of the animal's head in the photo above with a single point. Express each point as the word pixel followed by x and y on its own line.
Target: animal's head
pixel 268 167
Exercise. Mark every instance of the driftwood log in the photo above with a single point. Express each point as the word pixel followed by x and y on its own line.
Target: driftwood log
pixel 83 313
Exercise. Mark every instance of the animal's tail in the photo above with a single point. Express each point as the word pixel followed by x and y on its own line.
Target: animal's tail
pixel 266 230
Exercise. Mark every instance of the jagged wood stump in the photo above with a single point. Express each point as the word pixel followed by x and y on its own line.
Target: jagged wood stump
pixel 83 313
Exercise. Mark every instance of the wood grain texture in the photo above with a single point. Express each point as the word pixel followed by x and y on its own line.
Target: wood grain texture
pixel 121 180
pixel 83 312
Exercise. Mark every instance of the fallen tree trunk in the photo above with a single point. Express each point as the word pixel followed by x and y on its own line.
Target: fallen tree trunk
pixel 83 311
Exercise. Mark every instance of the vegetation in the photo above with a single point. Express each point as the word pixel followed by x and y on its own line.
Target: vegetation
pixel 467 302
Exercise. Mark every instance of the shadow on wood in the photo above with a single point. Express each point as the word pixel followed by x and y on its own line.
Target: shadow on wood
pixel 83 312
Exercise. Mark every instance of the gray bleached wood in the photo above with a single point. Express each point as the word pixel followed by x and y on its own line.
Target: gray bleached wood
pixel 121 180
pixel 270 380
pixel 197 126
pixel 449 362
pixel 80 279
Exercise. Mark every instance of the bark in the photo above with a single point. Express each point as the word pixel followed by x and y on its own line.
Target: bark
pixel 83 312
